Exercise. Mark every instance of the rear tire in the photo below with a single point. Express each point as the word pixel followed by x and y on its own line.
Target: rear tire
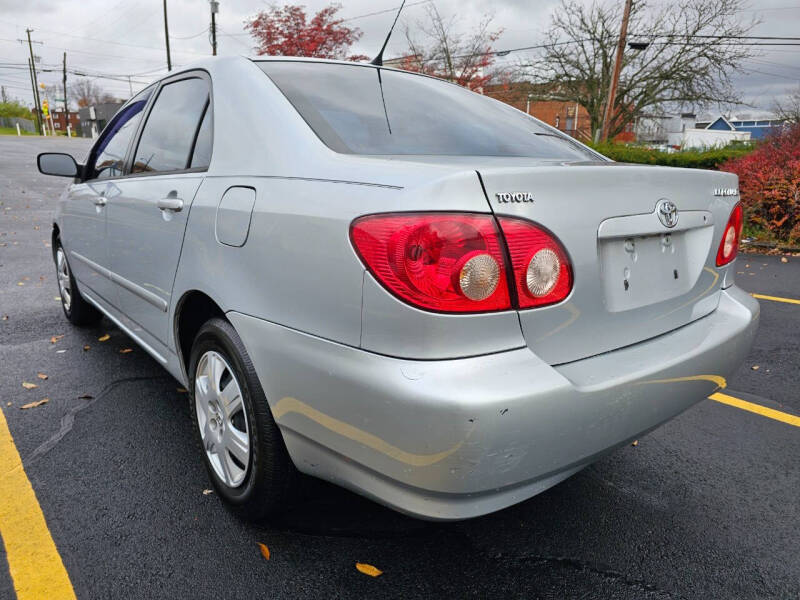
pixel 228 406
pixel 77 310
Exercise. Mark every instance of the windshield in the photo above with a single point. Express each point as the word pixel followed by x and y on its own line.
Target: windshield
pixel 363 110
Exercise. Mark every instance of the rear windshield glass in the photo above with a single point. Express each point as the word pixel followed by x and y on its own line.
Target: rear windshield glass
pixel 363 110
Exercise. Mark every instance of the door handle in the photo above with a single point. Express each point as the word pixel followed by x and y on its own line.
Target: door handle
pixel 100 201
pixel 173 204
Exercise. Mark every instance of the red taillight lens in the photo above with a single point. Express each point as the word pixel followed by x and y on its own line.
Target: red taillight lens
pixel 729 245
pixel 439 261
pixel 542 272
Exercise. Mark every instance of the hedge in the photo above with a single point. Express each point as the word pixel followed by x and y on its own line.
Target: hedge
pixel 692 159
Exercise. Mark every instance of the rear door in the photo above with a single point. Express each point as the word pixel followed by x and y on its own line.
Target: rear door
pixel 635 277
pixel 146 221
pixel 83 221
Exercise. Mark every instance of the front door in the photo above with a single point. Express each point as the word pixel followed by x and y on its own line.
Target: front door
pixel 83 220
pixel 147 220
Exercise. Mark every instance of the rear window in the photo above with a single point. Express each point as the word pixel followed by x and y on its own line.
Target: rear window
pixel 364 110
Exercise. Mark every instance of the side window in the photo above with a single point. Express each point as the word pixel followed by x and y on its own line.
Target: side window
pixel 171 127
pixel 108 157
pixel 201 155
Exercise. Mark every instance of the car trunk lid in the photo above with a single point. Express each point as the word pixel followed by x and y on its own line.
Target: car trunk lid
pixel 634 277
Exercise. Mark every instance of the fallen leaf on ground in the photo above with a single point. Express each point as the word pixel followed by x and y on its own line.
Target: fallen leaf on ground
pixel 755 367
pixel 20 283
pixel 60 351
pixel 9 403
pixel 104 338
pixel 183 391
pixel 57 298
pixel 207 492
pixel 35 404
pixel 368 569
pixel 264 550
pixel 784 259
pixel 41 376
pixel 86 397
pixel 86 347
pixel 29 386
pixel 55 338
pixel 5 317
pixel 635 443
pixel 125 350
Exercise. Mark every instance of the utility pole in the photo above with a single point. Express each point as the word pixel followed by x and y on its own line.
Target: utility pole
pixel 130 86
pixel 66 105
pixel 612 90
pixel 33 88
pixel 214 11
pixel 166 37
pixel 39 121
pixel 3 93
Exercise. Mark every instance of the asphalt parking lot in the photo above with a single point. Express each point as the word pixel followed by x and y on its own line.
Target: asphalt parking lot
pixel 704 507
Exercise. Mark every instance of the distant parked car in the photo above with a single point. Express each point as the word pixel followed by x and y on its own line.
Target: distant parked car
pixel 395 284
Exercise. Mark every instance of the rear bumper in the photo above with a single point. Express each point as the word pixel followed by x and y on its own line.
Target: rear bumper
pixel 454 439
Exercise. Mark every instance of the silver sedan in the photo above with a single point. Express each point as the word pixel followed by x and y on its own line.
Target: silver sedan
pixel 395 284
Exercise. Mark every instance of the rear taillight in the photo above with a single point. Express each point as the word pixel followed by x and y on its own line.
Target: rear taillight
pixel 542 272
pixel 729 245
pixel 454 262
pixel 438 261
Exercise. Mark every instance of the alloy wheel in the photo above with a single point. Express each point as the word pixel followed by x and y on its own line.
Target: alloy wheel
pixel 222 419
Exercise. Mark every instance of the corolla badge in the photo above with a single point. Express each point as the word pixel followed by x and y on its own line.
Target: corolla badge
pixel 667 213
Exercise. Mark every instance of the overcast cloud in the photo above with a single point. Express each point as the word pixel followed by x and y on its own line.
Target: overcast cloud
pixel 126 37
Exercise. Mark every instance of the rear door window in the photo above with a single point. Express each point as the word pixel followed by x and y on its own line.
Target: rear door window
pixel 172 127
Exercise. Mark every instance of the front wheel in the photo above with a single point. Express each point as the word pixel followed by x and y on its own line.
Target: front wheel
pixel 241 445
pixel 77 310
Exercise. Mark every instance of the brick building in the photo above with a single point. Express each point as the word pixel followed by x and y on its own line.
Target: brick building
pixel 60 121
pixel 569 117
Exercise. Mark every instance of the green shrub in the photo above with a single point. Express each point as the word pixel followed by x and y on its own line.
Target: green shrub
pixel 14 109
pixel 691 159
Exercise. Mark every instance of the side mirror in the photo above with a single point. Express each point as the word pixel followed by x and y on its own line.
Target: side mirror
pixel 57 163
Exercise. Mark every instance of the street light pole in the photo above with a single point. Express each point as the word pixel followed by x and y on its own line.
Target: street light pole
pixel 612 90
pixel 166 37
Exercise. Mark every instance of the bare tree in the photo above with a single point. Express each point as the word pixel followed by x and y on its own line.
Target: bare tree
pixel 684 53
pixel 85 92
pixel 789 109
pixel 463 58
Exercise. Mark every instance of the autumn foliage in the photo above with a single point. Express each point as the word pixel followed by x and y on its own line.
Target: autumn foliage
pixel 769 184
pixel 287 31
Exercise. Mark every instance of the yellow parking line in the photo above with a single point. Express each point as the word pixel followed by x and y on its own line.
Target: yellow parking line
pixel 776 298
pixel 33 560
pixel 770 413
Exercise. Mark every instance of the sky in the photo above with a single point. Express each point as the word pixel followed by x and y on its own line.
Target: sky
pixel 125 38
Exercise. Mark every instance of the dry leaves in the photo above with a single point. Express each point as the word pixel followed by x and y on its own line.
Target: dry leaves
pixel 755 367
pixel 182 391
pixel 207 492
pixel 35 404
pixel 29 386
pixel 41 376
pixel 55 338
pixel 368 569
pixel 784 259
pixel 86 348
pixel 264 550
pixel 104 338
pixel 125 350
pixel 5 317
pixel 635 443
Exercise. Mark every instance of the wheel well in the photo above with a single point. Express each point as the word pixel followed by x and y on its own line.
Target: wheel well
pixel 194 310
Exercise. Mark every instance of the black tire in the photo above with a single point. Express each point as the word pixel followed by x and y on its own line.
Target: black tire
pixel 77 310
pixel 270 479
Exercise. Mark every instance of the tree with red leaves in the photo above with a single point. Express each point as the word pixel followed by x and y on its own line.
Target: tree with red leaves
pixel 464 59
pixel 286 31
pixel 769 184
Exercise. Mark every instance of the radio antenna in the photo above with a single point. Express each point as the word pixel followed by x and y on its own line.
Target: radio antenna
pixel 378 60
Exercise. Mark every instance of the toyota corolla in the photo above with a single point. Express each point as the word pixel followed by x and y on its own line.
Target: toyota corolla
pixel 395 284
